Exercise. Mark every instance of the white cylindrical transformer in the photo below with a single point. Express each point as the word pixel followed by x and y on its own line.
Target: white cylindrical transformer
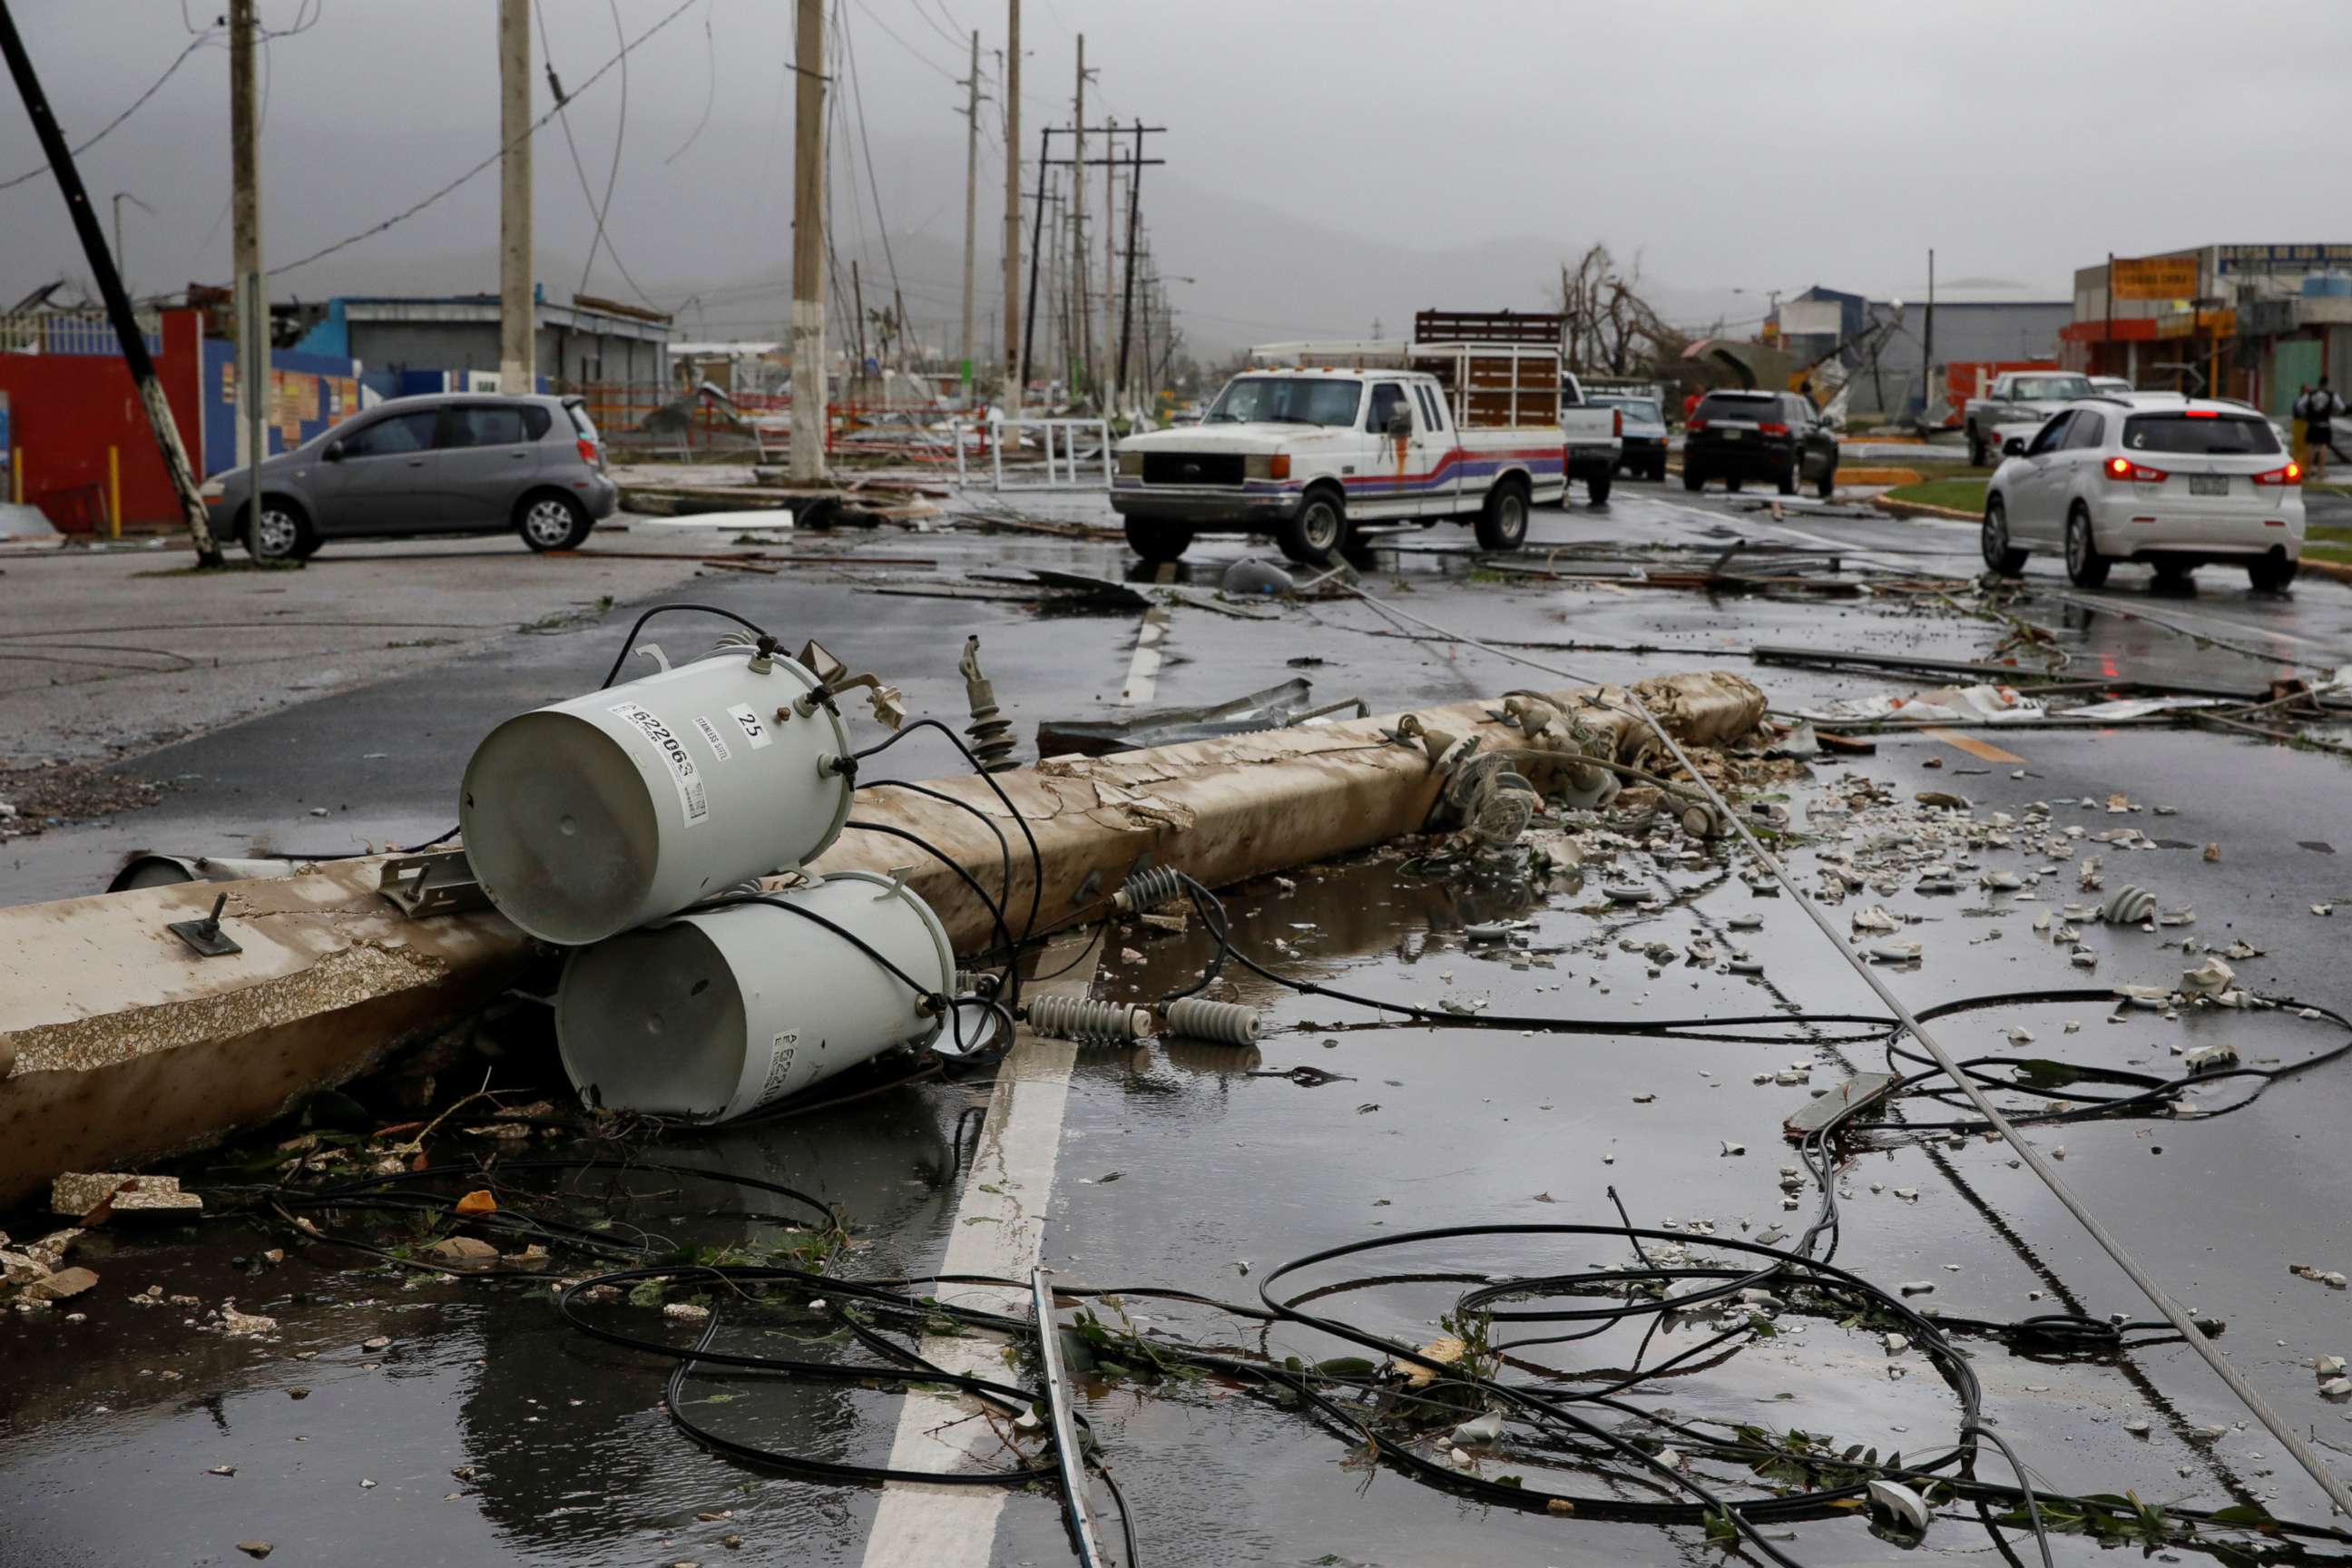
pixel 593 816
pixel 713 1014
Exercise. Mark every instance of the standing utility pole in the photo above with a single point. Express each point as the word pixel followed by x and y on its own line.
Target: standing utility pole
pixel 2109 367
pixel 1127 293
pixel 1086 339
pixel 120 198
pixel 971 204
pixel 251 300
pixel 1027 320
pixel 518 323
pixel 1110 260
pixel 1927 344
pixel 59 155
pixel 1013 318
pixel 809 389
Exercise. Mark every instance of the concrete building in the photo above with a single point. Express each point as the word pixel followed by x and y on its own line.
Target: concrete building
pixel 1885 343
pixel 2249 321
pixel 588 344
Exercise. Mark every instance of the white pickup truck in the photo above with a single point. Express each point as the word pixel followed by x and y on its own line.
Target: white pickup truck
pixel 1326 436
pixel 2017 397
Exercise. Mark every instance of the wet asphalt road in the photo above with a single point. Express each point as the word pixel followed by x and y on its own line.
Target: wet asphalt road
pixel 574 1462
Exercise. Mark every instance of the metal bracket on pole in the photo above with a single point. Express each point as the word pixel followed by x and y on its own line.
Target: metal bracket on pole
pixel 1067 1452
pixel 206 935
pixel 435 882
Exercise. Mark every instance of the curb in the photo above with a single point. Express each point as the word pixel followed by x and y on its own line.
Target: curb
pixel 2338 570
pixel 1893 508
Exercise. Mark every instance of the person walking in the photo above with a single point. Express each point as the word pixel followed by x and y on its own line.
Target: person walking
pixel 1691 403
pixel 2318 408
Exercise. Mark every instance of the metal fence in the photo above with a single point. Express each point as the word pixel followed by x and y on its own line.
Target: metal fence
pixel 72 332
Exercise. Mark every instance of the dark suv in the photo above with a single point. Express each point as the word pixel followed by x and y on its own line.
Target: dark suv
pixel 1776 435
pixel 445 463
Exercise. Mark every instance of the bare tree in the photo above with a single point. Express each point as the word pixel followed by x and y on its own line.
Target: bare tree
pixel 1609 325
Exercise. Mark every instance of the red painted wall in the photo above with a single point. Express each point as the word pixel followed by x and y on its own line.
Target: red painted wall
pixel 67 410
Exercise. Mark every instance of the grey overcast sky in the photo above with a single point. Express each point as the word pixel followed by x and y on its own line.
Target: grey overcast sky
pixel 1327 159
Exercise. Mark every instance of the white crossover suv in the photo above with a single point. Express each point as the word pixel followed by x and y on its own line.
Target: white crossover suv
pixel 2175 482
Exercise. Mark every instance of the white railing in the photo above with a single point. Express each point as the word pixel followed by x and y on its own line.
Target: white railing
pixel 72 332
pixel 1061 459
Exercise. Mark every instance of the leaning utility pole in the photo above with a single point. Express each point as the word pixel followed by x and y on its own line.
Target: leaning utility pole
pixel 518 319
pixel 971 204
pixel 251 300
pixel 59 155
pixel 809 416
pixel 1016 363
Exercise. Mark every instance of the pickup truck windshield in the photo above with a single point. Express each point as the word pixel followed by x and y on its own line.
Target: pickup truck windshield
pixel 2200 435
pixel 2050 388
pixel 1287 400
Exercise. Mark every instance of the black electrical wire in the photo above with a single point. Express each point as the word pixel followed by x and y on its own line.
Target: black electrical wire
pixel 1538 1299
pixel 631 640
pixel 1036 857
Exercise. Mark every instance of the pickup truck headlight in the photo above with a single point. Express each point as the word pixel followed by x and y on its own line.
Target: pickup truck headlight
pixel 1267 465
pixel 1132 464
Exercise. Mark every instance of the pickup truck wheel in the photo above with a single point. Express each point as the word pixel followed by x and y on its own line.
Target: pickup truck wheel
pixel 1317 531
pixel 1596 488
pixel 1158 540
pixel 2086 567
pixel 2000 554
pixel 1503 525
pixel 1975 450
pixel 1658 471
pixel 1692 478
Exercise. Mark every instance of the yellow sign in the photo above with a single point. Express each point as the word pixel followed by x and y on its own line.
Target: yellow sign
pixel 2157 276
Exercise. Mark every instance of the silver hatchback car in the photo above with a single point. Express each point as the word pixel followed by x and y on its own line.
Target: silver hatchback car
pixel 446 463
pixel 2176 482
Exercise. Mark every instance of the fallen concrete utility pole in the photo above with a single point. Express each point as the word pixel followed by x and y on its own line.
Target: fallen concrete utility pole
pixel 120 1043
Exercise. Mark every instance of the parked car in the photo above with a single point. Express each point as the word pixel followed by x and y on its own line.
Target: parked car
pixel 2112 386
pixel 1644 421
pixel 2177 482
pixel 1593 433
pixel 1306 453
pixel 2016 394
pixel 445 463
pixel 1777 435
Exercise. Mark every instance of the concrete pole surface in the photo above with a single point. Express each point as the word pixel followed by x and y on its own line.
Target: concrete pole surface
pixel 118 1044
pixel 809 389
pixel 970 207
pixel 517 310
pixel 1012 85
pixel 251 299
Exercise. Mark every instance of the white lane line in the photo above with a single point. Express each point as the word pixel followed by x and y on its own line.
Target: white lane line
pixel 1143 670
pixel 999 1230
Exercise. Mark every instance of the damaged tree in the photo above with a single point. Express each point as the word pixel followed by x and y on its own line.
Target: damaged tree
pixel 1610 327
